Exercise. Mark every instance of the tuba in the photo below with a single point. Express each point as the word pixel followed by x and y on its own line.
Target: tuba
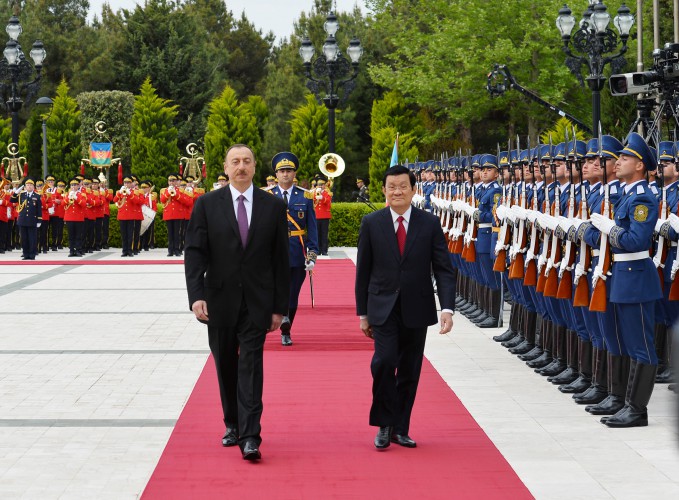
pixel 331 165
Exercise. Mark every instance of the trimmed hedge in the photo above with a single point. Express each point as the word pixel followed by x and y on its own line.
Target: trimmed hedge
pixel 343 231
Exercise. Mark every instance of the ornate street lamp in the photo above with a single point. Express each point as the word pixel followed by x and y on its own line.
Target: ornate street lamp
pixel 49 103
pixel 17 74
pixel 593 40
pixel 331 71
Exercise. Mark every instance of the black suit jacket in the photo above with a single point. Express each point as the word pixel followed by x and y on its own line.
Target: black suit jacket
pixel 382 275
pixel 218 269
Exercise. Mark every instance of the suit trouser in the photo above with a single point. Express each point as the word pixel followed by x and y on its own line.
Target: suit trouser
pixel 98 232
pixel 29 240
pixel 297 277
pixel 238 354
pixel 105 230
pixel 3 234
pixel 136 236
pixel 395 368
pixel 43 231
pixel 89 234
pixel 147 237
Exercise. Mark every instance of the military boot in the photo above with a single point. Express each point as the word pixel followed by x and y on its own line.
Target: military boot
pixel 618 376
pixel 584 368
pixel 571 372
pixel 598 391
pixel 640 388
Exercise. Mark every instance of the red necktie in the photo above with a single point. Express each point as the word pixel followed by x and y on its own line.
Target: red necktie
pixel 401 234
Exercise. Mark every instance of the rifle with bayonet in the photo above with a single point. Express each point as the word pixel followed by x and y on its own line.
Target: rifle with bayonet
pixel 469 252
pixel 516 271
pixel 504 236
pixel 530 276
pixel 546 236
pixel 599 275
pixel 554 260
pixel 663 212
pixel 565 290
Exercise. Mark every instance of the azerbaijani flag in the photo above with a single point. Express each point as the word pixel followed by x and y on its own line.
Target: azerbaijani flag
pixel 394 153
pixel 101 154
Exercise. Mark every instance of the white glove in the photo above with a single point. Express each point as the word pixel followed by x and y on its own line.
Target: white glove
pixel 659 224
pixel 510 215
pixel 501 212
pixel 531 215
pixel 565 223
pixel 674 222
pixel 39 223
pixel 547 221
pixel 469 210
pixel 309 266
pixel 519 213
pixel 603 224
pixel 319 197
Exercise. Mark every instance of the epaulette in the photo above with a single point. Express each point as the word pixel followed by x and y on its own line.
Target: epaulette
pixel 307 194
pixel 641 190
pixel 110 191
pixel 268 189
pixel 154 196
pixel 614 189
pixel 199 190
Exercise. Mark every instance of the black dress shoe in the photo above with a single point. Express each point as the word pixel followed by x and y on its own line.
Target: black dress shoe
pixel 383 438
pixel 535 353
pixel 507 335
pixel 230 438
pixel 541 361
pixel 250 451
pixel 170 255
pixel 581 384
pixel 403 440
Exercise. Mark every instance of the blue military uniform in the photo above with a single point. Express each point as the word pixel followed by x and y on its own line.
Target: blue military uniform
pixel 634 284
pixel 30 216
pixel 302 231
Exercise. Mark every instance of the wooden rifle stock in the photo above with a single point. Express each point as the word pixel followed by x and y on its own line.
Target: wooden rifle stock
pixel 598 300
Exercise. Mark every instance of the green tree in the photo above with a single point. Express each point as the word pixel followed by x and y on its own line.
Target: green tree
pixel 228 123
pixel 5 134
pixel 64 151
pixel 30 145
pixel 114 109
pixel 309 136
pixel 391 116
pixel 153 141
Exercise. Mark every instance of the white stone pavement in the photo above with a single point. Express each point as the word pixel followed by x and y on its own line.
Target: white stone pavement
pixel 96 363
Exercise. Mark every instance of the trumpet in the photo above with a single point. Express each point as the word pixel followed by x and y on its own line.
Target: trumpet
pixel 72 195
pixel 189 190
pixel 331 165
pixel 172 190
pixel 124 191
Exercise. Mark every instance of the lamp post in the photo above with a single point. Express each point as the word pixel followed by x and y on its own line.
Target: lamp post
pixel 331 71
pixel 16 73
pixel 593 40
pixel 45 101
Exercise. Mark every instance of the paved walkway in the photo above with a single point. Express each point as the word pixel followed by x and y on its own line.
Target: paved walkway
pixel 96 363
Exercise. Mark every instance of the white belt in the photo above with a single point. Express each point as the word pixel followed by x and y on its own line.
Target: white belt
pixel 595 253
pixel 626 257
pixel 485 225
pixel 673 244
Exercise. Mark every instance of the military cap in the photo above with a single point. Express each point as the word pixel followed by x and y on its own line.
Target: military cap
pixel 49 178
pixel 513 157
pixel 145 184
pixel 666 151
pixel 127 179
pixel 475 161
pixel 524 156
pixel 189 178
pixel 578 148
pixel 610 147
pixel 29 181
pixel 87 180
pixel 61 183
pixel 559 151
pixel 488 161
pixel 637 147
pixel 79 177
pixel 545 153
pixel 134 178
pixel 360 179
pixel 284 160
pixel 592 148
pixel 223 177
pixel 39 182
pixel 95 180
pixel 172 177
pixel 74 181
pixel 504 159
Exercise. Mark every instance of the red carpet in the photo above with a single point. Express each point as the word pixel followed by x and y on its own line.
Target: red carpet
pixel 73 262
pixel 316 440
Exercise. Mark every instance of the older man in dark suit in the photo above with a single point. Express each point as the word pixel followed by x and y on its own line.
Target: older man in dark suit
pixel 398 248
pixel 238 282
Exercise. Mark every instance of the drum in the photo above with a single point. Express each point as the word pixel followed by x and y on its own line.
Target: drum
pixel 149 215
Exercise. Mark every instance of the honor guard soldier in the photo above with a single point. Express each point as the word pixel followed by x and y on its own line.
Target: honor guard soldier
pixel 174 201
pixel 5 212
pixel 108 194
pixel 56 226
pixel 301 229
pixel 74 217
pixel 47 207
pixel 668 308
pixel 429 184
pixel 634 281
pixel 223 180
pixel 362 190
pixel 90 215
pixel 127 201
pixel 137 215
pixel 29 209
pixel 151 201
pixel 270 181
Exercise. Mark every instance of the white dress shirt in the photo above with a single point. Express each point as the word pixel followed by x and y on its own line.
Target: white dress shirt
pixel 249 192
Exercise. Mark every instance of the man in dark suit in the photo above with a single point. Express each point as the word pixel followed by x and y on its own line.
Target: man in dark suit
pixel 237 269
pixel 398 248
